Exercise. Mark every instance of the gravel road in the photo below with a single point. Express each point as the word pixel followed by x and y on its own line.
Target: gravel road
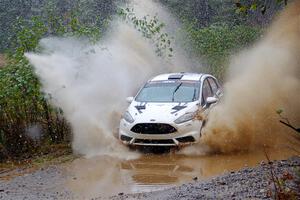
pixel 42 184
pixel 248 183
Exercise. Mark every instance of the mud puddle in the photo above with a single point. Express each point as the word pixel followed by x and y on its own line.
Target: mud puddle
pixel 105 176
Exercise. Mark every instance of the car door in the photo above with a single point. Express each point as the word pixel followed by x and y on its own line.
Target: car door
pixel 210 88
pixel 205 92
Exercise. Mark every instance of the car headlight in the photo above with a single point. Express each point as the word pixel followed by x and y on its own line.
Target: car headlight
pixel 128 117
pixel 186 117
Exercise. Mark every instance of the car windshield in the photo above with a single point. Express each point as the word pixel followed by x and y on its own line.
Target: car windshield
pixel 169 91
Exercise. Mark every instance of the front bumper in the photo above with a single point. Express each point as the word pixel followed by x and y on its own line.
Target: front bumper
pixel 186 133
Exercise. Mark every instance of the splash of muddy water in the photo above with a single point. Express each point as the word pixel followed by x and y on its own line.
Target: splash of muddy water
pixel 261 80
pixel 90 82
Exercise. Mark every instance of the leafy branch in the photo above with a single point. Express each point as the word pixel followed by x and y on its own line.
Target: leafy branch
pixel 255 5
pixel 151 28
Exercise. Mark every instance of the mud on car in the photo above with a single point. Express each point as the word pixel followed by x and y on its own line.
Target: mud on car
pixel 164 110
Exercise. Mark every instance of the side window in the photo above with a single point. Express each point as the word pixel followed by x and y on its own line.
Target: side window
pixel 206 91
pixel 213 85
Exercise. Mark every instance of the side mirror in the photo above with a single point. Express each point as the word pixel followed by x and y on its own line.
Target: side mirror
pixel 129 99
pixel 211 100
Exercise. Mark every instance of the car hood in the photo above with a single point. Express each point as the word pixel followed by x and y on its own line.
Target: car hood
pixel 159 112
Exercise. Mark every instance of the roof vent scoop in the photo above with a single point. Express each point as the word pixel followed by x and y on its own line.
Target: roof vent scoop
pixel 175 77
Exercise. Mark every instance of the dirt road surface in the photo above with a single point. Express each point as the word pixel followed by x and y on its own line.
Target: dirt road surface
pixel 167 176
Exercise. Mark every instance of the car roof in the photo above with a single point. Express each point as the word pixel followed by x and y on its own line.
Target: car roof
pixel 178 76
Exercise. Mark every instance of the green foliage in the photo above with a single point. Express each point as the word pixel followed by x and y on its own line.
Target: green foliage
pixel 22 105
pixel 151 28
pixel 29 33
pixel 199 11
pixel 18 101
pixel 72 27
pixel 205 12
pixel 27 36
pixel 76 29
pixel 244 6
pixel 91 13
pixel 217 42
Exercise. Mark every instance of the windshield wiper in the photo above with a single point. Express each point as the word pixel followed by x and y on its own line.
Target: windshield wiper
pixel 194 95
pixel 178 86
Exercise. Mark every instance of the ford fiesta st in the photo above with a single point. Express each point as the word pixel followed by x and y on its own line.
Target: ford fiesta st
pixel 163 113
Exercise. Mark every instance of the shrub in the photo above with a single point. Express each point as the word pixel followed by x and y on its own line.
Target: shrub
pixel 22 104
pixel 218 41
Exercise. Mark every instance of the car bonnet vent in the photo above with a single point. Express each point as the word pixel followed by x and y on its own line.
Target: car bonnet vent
pixel 175 76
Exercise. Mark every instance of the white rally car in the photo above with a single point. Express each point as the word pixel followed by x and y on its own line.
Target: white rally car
pixel 164 110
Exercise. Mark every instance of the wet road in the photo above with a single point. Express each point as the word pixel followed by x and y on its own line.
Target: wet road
pixel 105 176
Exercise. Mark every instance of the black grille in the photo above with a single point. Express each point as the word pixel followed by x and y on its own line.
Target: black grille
pixel 153 128
pixel 154 141
pixel 186 139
